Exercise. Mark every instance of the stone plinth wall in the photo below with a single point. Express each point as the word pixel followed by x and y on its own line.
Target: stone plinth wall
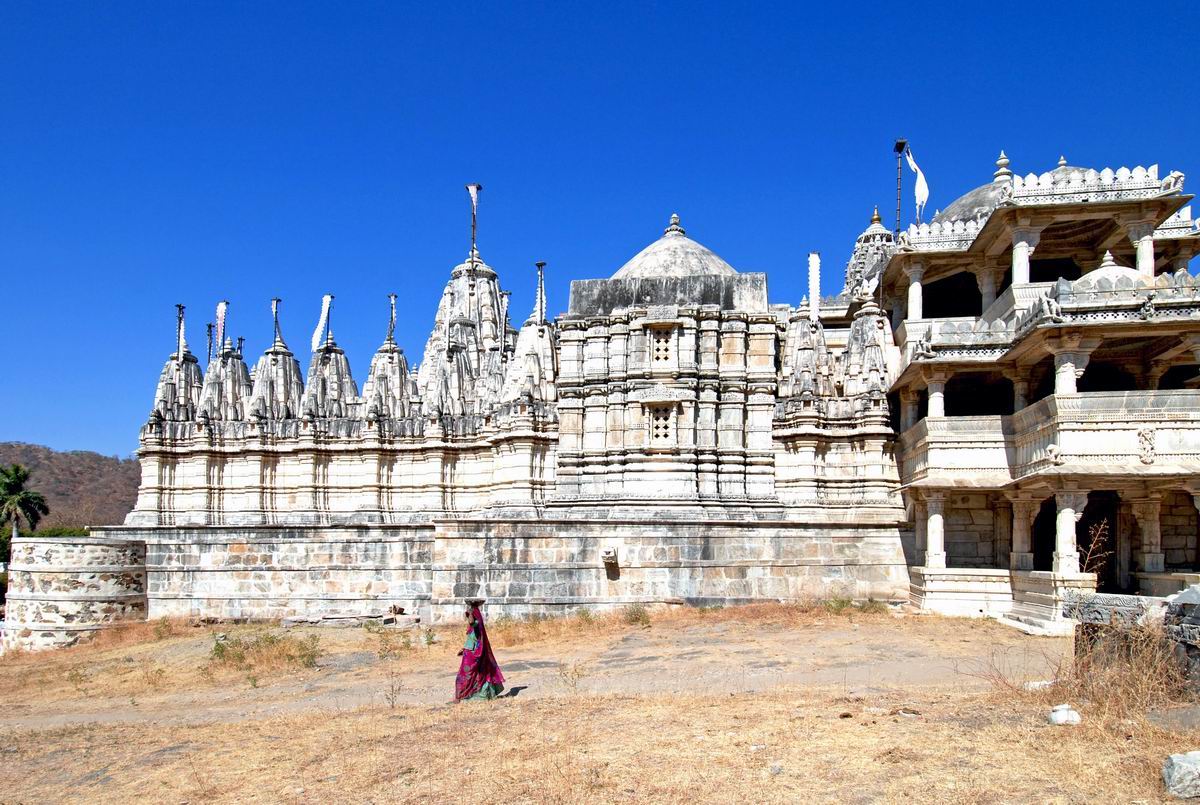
pixel 259 573
pixel 62 589
pixel 1178 523
pixel 524 564
pixel 526 567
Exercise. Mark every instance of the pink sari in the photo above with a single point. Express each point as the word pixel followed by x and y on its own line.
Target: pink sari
pixel 479 676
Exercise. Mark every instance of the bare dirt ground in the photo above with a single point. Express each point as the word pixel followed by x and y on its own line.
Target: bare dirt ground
pixel 749 704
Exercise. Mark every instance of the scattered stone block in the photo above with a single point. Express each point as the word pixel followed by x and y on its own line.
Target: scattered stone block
pixel 1181 775
pixel 1064 715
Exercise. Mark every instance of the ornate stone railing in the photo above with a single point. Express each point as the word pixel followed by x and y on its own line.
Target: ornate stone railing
pixel 1179 225
pixel 1135 431
pixel 1069 187
pixel 971 450
pixel 942 237
pixel 1103 300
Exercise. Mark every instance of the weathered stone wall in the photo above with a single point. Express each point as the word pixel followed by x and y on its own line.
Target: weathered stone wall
pixel 1178 523
pixel 970 531
pixel 526 567
pixel 262 572
pixel 62 589
pixel 525 562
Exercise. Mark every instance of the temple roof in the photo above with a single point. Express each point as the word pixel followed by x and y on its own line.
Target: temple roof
pixel 983 200
pixel 674 255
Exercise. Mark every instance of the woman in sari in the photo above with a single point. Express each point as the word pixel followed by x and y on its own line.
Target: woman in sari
pixel 479 676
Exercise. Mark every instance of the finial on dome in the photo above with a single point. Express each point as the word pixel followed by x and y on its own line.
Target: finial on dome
pixel 1002 174
pixel 674 228
pixel 1062 161
pixel 278 342
pixel 875 219
pixel 180 340
pixel 1108 260
pixel 540 302
pixel 391 335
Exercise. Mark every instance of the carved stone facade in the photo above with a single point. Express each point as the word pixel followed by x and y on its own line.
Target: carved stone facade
pixel 676 438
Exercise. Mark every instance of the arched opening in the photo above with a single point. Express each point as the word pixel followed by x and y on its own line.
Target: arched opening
pixel 1043 533
pixel 1100 376
pixel 978 395
pixel 1177 377
pixel 956 295
pixel 1096 539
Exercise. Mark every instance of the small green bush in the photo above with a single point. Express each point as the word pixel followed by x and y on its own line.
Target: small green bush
pixel 635 615
pixel 839 605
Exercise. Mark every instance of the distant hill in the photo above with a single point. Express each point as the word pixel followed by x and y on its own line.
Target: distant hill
pixel 81 488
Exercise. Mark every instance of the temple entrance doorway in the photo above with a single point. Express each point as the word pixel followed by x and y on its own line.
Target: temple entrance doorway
pixel 1096 538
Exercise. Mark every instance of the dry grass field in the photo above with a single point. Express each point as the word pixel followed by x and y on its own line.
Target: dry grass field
pixel 753 704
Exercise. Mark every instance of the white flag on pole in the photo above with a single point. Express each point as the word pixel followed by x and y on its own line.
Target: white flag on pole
pixel 921 189
pixel 473 189
pixel 320 331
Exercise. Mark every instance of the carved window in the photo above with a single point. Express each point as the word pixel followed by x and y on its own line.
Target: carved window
pixel 662 424
pixel 660 345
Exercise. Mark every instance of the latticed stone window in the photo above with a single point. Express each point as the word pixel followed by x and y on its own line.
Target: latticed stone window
pixel 660 345
pixel 661 423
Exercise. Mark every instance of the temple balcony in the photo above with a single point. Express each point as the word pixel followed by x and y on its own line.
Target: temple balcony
pixel 1142 433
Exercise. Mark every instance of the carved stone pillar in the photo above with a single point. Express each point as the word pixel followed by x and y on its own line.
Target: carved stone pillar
pixel 908 409
pixel 1066 551
pixel 937 395
pixel 1065 373
pixel 1020 393
pixel 987 279
pixel 920 528
pixel 916 307
pixel 935 530
pixel 1023 513
pixel 1142 236
pixel 1150 559
pixel 1025 240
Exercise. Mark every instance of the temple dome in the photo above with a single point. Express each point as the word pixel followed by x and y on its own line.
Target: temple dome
pixel 983 200
pixel 674 255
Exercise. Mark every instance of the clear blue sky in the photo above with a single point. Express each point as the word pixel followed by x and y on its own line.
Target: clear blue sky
pixel 161 152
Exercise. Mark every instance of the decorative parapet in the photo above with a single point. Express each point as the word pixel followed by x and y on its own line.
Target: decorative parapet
pixel 1179 225
pixel 1105 299
pixel 942 237
pixel 1061 186
pixel 1075 186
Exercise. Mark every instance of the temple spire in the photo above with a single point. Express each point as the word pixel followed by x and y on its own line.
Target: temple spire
pixel 180 339
pixel 540 304
pixel 474 190
pixel 278 342
pixel 391 333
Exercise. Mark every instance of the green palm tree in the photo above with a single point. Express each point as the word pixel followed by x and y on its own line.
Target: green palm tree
pixel 18 503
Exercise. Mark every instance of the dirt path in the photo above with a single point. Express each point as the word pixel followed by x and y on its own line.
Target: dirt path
pixel 159 683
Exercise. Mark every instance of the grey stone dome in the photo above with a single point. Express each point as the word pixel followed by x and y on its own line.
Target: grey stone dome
pixel 674 255
pixel 983 200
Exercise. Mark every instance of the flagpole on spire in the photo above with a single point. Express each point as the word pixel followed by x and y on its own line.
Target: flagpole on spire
pixel 179 332
pixel 474 190
pixel 391 336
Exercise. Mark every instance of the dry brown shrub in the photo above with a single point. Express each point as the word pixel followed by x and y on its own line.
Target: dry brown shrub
pixel 1115 679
